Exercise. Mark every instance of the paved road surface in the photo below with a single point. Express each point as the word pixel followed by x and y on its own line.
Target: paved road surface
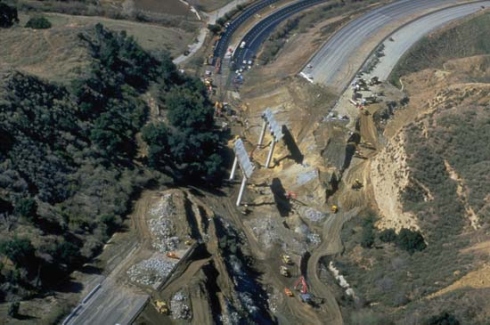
pixel 212 17
pixel 335 64
pixel 409 35
pixel 256 36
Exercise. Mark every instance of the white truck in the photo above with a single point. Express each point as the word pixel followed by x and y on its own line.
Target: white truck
pixel 242 45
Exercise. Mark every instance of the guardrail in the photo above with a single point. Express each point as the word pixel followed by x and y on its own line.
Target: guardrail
pixel 84 301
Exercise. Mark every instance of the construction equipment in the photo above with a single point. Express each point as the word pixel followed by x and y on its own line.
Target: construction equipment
pixel 302 287
pixel 161 307
pixel 373 81
pixel 208 82
pixel 188 242
pixel 334 208
pixel 357 185
pixel 288 292
pixel 284 271
pixel 287 260
pixel 173 255
pixel 358 154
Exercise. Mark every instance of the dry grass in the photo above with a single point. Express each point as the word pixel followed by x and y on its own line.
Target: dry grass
pixel 209 5
pixel 57 53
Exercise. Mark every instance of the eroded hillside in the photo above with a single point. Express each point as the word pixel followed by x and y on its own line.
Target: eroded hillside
pixel 430 177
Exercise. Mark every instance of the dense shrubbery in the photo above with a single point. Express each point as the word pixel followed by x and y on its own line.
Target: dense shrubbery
pixel 38 23
pixel 67 156
pixel 410 241
pixel 277 40
pixel 443 319
pixel 8 15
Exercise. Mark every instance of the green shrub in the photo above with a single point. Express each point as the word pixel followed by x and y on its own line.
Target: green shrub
pixel 39 22
pixel 443 319
pixel 215 29
pixel 14 309
pixel 410 241
pixel 388 236
pixel 8 15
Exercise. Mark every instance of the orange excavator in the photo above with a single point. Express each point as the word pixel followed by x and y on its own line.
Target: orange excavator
pixel 302 287
pixel 173 255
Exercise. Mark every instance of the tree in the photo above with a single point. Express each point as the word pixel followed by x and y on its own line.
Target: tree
pixel 221 21
pixel 8 15
pixel 443 319
pixel 214 28
pixel 411 241
pixel 156 136
pixel 18 250
pixel 367 239
pixel 388 236
pixel 14 309
pixel 26 208
pixel 38 23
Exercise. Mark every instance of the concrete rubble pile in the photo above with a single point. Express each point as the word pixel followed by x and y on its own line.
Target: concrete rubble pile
pixel 162 227
pixel 267 230
pixel 312 214
pixel 179 308
pixel 151 271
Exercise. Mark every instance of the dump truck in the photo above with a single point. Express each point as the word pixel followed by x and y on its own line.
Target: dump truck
pixel 334 208
pixel 284 271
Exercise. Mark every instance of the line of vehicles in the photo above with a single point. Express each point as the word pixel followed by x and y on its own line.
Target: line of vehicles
pixel 300 284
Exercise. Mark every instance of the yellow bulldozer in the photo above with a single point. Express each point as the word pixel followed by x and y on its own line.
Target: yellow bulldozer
pixel 357 185
pixel 161 307
pixel 287 260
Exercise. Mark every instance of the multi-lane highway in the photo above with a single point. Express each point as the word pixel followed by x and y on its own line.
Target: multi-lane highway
pixel 407 36
pixel 222 45
pixel 335 64
pixel 256 36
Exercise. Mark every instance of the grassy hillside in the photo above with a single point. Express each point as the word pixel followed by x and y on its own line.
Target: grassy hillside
pixel 58 54
pixel 448 192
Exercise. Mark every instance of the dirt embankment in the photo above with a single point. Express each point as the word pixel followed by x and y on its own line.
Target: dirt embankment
pixel 390 175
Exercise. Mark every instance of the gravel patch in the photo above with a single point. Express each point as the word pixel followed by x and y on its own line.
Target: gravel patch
pixel 314 215
pixel 150 272
pixel 179 307
pixel 306 177
pixel 162 227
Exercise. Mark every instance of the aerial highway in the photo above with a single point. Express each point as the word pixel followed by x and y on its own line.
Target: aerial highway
pixel 336 63
pixel 222 45
pixel 406 37
pixel 256 36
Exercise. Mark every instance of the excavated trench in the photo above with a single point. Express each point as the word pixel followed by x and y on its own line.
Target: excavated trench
pixel 252 296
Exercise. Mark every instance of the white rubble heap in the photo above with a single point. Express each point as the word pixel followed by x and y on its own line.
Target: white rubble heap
pixel 151 271
pixel 162 227
pixel 248 302
pixel 178 307
pixel 342 281
pixel 313 215
pixel 230 319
